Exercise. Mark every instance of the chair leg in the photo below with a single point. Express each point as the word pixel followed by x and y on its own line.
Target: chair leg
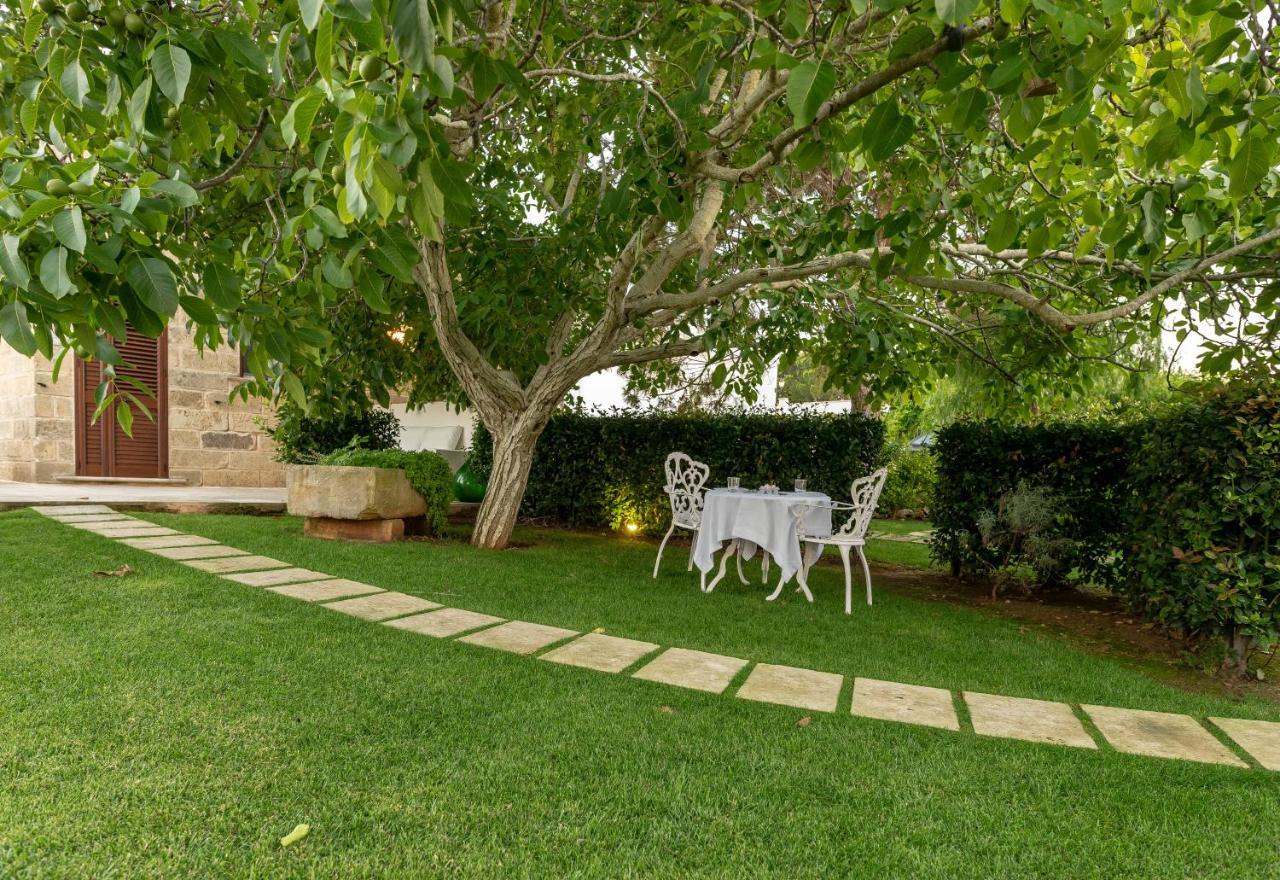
pixel 866 573
pixel 742 577
pixel 663 546
pixel 848 579
pixel 692 543
pixel 764 568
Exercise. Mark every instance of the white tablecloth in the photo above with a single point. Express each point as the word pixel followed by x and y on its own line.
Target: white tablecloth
pixel 759 520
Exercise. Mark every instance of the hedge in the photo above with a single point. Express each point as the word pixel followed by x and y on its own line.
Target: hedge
pixel 301 439
pixel 1178 512
pixel 605 470
pixel 428 473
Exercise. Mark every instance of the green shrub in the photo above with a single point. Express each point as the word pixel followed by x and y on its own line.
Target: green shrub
pixel 302 439
pixel 912 480
pixel 1024 536
pixel 428 473
pixel 605 470
pixel 1081 464
pixel 1202 548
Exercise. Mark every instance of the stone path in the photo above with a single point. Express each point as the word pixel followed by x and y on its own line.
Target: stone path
pixel 1153 734
pixel 918 537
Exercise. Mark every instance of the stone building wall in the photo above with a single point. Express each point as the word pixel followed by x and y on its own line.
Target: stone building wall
pixel 213 441
pixel 17 414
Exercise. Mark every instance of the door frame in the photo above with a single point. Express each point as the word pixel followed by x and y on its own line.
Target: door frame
pixel 82 425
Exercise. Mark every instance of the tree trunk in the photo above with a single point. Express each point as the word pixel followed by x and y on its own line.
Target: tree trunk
pixel 512 456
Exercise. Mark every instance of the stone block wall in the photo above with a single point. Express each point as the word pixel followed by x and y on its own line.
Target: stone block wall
pixel 212 440
pixel 17 414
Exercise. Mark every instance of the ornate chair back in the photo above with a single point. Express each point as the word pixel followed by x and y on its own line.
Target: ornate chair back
pixel 685 479
pixel 865 493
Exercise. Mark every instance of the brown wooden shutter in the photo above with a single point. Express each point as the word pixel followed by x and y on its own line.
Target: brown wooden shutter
pixel 104 449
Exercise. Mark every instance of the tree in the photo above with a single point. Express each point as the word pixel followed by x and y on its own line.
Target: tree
pixel 530 191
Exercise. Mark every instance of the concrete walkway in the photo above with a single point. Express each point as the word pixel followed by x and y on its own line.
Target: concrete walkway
pixel 1228 741
pixel 141 496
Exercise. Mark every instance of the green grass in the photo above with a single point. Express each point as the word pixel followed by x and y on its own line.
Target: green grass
pixel 170 723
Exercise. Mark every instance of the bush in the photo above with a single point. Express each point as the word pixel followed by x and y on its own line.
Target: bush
pixel 1082 465
pixel 605 470
pixel 1178 512
pixel 1202 548
pixel 1024 534
pixel 428 473
pixel 301 439
pixel 913 477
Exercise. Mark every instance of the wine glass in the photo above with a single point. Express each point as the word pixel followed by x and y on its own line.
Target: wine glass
pixel 800 484
pixel 733 483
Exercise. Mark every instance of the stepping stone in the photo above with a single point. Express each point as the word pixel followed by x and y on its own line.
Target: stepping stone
pixel 1160 735
pixel 200 551
pixel 168 541
pixel 325 591
pixel 95 518
pixel 236 563
pixel 518 637
pixel 63 509
pixel 910 703
pixel 792 686
pixel 444 623
pixel 276 577
pixel 600 652
pixel 130 531
pixel 1032 720
pixel 691 669
pixel 380 606
pixel 1259 738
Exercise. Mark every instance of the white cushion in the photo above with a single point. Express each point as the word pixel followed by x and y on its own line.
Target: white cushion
pixel 439 437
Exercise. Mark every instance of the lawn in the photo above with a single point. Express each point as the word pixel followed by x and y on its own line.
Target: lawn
pixel 170 723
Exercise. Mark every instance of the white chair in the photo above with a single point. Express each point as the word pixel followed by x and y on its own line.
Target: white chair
pixel 685 478
pixel 865 492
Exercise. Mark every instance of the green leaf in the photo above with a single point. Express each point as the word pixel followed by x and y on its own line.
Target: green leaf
pixel 172 69
pixel 68 226
pixel 138 107
pixel 124 417
pixel 74 82
pixel 970 110
pixel 293 385
pixel 414 33
pixel 11 263
pixel 324 47
pixel 329 222
pixel 1249 166
pixel 955 12
pixel 221 285
pixel 16 329
pixel 53 272
pixel 885 130
pixel 310 10
pixel 296 125
pixel 152 280
pixel 811 83
pixel 184 194
pixel 198 310
pixel 1002 231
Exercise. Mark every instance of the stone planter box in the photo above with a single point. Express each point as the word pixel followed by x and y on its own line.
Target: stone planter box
pixel 354 503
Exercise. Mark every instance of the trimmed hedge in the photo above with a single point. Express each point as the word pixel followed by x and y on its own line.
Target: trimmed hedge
pixel 605 470
pixel 1083 465
pixel 428 473
pixel 1178 512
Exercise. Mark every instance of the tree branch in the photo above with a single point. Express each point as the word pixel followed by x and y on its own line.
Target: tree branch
pixel 219 179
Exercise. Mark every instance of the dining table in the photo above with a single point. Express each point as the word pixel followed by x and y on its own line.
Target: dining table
pixel 747 520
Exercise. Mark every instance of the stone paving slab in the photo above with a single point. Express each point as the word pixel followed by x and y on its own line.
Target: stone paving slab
pixel 168 541
pixel 236 563
pixel 600 652
pixel 128 531
pixel 444 623
pixel 381 606
pixel 691 669
pixel 1032 720
pixel 518 636
pixel 908 703
pixel 792 686
pixel 325 591
pixel 79 518
pixel 277 576
pixel 199 551
pixel 62 509
pixel 1259 738
pixel 1160 735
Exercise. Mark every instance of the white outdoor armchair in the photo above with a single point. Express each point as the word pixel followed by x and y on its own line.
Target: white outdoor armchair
pixel 864 493
pixel 685 479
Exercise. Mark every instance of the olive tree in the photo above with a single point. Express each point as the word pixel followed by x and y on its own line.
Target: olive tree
pixel 525 192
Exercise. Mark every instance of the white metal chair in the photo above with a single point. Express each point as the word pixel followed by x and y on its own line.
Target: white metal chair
pixel 685 479
pixel 864 493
